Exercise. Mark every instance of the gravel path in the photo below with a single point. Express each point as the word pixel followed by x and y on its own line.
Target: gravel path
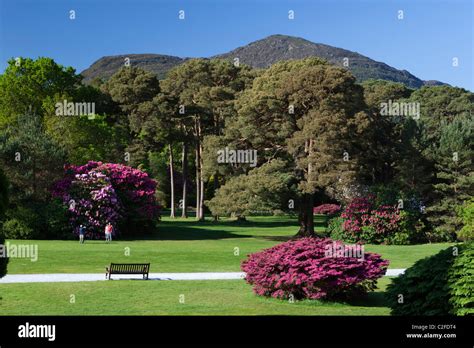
pixel 90 277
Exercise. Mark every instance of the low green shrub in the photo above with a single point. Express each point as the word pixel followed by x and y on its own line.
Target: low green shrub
pixel 439 235
pixel 461 282
pixel 55 222
pixel 16 229
pixel 335 229
pixel 3 260
pixel 466 213
pixel 437 285
pixel 37 220
pixel 412 229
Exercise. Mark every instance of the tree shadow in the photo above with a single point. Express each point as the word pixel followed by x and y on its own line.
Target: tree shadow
pixel 372 299
pixel 189 229
pixel 277 238
pixel 177 230
pixel 254 224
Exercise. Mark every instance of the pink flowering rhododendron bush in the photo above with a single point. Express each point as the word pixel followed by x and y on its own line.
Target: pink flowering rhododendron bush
pixel 313 268
pixel 97 193
pixel 327 209
pixel 367 223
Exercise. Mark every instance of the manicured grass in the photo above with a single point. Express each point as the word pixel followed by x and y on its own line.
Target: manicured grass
pixel 187 246
pixel 180 246
pixel 130 297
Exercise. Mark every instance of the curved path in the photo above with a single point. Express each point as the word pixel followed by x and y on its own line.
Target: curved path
pixel 90 277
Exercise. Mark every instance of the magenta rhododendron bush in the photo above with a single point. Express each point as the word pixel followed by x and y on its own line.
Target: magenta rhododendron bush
pixel 97 193
pixel 364 222
pixel 308 268
pixel 327 209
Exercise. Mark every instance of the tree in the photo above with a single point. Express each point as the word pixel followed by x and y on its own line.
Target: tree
pixel 156 130
pixel 3 208
pixel 383 140
pixel 26 83
pixel 262 189
pixel 4 185
pixel 455 174
pixel 441 104
pixel 101 136
pixel 310 114
pixel 130 87
pixel 446 142
pixel 377 92
pixel 204 92
pixel 3 259
pixel 394 149
pixel 31 159
pixel 413 171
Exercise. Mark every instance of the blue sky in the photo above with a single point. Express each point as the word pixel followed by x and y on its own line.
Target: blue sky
pixel 425 42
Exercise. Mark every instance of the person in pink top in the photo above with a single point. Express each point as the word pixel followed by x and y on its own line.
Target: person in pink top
pixel 108 232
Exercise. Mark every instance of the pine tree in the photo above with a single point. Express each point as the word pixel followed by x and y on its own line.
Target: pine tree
pixel 455 174
pixel 204 91
pixel 310 114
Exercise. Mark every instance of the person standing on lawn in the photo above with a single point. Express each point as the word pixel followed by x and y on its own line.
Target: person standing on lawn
pixel 108 232
pixel 111 230
pixel 82 231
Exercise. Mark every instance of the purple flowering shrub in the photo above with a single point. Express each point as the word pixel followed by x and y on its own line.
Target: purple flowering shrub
pixel 92 201
pixel 304 268
pixel 135 188
pixel 101 192
pixel 327 209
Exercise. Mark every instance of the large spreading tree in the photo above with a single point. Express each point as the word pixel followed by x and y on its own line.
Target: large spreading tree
pixel 310 114
pixel 27 83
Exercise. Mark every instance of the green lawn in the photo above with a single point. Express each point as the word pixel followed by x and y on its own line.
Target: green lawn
pixel 187 246
pixel 179 246
pixel 129 297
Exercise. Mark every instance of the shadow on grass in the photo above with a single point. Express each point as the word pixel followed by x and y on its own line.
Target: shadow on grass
pixel 190 229
pixel 185 230
pixel 372 299
pixel 252 223
pixel 277 238
pixel 287 238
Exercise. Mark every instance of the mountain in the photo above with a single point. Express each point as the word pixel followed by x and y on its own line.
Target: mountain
pixel 105 67
pixel 262 54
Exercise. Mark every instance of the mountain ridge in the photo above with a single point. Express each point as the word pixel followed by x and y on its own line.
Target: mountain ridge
pixel 261 54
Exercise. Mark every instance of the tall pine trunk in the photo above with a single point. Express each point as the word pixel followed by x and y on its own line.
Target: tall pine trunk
pixel 305 217
pixel 184 160
pixel 198 185
pixel 199 176
pixel 34 177
pixel 216 186
pixel 172 215
pixel 201 183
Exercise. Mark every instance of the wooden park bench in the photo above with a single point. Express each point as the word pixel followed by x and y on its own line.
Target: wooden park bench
pixel 128 268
